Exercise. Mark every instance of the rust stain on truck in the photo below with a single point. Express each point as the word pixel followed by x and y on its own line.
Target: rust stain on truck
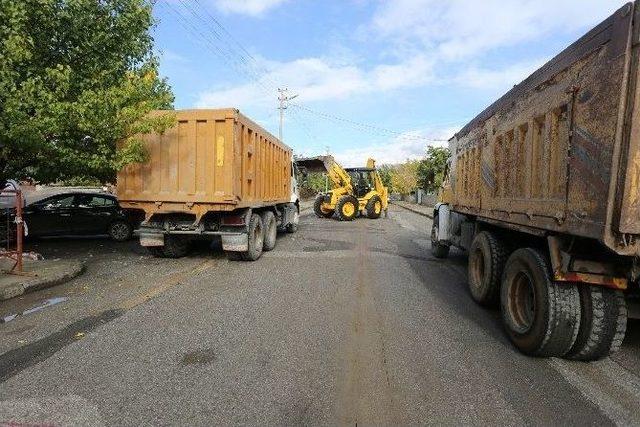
pixel 212 160
pixel 542 192
pixel 215 173
pixel 561 150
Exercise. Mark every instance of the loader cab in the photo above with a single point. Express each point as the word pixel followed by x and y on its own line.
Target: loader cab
pixel 361 180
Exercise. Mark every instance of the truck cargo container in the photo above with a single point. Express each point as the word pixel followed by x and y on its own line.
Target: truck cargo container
pixel 215 173
pixel 542 191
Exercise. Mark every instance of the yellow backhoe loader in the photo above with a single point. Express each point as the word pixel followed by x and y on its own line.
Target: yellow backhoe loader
pixel 353 190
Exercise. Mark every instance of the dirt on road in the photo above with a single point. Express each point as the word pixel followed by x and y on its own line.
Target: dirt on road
pixel 343 323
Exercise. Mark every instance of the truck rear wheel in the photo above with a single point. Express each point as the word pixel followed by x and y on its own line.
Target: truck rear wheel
pixel 374 207
pixel 270 230
pixel 347 208
pixel 292 227
pixel 234 256
pixel 175 246
pixel 438 250
pixel 602 325
pixel 486 263
pixel 541 317
pixel 319 210
pixel 156 251
pixel 256 239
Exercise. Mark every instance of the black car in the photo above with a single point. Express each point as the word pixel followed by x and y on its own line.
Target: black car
pixel 77 214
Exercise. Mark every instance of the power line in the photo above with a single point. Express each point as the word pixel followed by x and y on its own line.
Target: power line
pixel 360 125
pixel 226 55
pixel 215 42
pixel 257 65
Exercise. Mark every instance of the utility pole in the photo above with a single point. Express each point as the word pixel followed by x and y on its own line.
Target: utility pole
pixel 283 98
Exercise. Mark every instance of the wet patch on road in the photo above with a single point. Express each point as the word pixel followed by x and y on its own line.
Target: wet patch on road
pixel 47 303
pixel 198 357
pixel 328 245
pixel 19 359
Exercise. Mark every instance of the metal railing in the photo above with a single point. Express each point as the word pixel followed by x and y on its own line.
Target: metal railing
pixel 14 253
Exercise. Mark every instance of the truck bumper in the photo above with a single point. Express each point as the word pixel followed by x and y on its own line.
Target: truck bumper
pixel 235 242
pixel 231 241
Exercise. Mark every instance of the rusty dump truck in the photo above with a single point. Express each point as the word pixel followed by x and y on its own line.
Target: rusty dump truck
pixel 215 174
pixel 543 192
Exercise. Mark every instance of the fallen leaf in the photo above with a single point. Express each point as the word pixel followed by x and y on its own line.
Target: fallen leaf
pixel 79 334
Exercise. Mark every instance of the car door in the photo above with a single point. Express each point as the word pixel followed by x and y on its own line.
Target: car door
pixel 94 214
pixel 51 216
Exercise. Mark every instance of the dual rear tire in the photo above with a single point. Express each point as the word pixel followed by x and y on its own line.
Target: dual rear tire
pixel 542 317
pixel 256 241
pixel 174 247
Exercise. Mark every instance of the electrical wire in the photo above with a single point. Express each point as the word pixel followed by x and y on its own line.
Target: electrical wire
pixel 241 60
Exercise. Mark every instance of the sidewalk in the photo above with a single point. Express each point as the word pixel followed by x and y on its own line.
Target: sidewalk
pixel 306 205
pixel 39 275
pixel 413 207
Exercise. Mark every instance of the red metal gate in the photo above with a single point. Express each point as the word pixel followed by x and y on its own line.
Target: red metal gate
pixel 14 231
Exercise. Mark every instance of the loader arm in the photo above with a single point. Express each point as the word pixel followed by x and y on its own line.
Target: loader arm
pixel 378 185
pixel 338 176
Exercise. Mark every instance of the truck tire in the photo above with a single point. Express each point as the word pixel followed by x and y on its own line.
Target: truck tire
pixel 270 230
pixel 487 256
pixel 438 250
pixel 233 256
pixel 541 317
pixel 374 207
pixel 256 239
pixel 175 246
pixel 156 251
pixel 318 210
pixel 347 208
pixel 292 227
pixel 602 325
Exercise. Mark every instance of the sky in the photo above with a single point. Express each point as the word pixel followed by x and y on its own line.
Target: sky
pixel 373 78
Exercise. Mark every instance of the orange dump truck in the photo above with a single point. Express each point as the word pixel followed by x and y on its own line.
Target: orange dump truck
pixel 543 192
pixel 215 174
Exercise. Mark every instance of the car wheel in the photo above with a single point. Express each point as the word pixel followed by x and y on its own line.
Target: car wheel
pixel 120 231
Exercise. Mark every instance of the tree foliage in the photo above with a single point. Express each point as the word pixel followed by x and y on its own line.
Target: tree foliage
pixel 431 169
pixel 315 182
pixel 385 172
pixel 77 78
pixel 404 177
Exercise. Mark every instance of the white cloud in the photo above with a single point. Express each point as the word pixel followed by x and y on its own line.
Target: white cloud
pixel 457 29
pixel 321 79
pixel 247 7
pixel 407 146
pixel 483 78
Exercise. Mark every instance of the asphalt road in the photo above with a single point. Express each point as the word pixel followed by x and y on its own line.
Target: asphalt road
pixel 343 323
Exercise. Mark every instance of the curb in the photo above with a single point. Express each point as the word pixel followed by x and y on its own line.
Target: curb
pixel 419 212
pixel 39 283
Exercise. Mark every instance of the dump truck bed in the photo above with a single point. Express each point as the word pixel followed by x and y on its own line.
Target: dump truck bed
pixel 211 160
pixel 560 152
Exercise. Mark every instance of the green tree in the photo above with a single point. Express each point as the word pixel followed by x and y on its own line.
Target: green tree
pixel 385 172
pixel 404 177
pixel 431 169
pixel 77 78
pixel 315 182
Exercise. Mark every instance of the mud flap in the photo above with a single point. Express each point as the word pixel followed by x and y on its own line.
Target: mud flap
pixel 151 240
pixel 235 242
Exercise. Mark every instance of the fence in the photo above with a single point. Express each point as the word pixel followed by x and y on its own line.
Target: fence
pixel 12 228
